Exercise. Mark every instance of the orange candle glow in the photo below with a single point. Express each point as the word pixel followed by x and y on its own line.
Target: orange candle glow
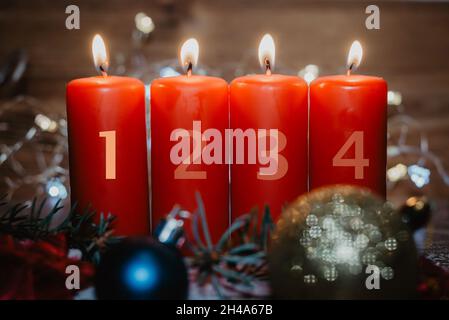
pixel 348 128
pixel 276 107
pixel 182 108
pixel 107 146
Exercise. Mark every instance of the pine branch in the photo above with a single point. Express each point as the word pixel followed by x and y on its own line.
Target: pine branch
pixel 239 256
pixel 32 221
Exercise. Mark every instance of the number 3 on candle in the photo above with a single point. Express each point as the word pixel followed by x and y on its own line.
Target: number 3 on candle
pixel 358 162
pixel 110 153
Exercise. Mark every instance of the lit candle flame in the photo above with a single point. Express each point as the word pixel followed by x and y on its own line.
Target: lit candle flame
pixel 267 53
pixel 355 56
pixel 100 54
pixel 189 55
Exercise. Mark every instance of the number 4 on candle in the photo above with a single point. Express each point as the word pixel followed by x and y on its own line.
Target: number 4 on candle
pixel 358 162
pixel 110 153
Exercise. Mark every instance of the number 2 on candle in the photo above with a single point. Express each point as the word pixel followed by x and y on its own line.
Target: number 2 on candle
pixel 182 172
pixel 358 162
pixel 110 153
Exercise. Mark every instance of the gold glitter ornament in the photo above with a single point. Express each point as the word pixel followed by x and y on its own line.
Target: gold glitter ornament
pixel 325 241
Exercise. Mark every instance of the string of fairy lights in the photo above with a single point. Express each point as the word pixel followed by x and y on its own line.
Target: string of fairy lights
pixel 43 143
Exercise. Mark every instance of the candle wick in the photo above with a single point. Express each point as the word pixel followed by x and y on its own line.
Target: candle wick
pixel 189 69
pixel 267 67
pixel 348 73
pixel 103 71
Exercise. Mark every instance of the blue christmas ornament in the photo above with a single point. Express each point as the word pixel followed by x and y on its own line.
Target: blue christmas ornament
pixel 142 272
pixel 141 269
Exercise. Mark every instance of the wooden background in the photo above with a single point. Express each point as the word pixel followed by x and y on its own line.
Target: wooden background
pixel 411 50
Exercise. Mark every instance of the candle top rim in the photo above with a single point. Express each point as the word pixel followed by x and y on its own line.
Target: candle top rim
pixel 193 80
pixel 273 79
pixel 349 80
pixel 108 81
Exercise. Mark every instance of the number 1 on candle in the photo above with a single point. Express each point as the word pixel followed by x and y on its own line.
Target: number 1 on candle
pixel 110 153
pixel 358 162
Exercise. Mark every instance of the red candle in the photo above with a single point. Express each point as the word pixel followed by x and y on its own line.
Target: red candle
pixel 189 116
pixel 107 146
pixel 348 129
pixel 278 104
